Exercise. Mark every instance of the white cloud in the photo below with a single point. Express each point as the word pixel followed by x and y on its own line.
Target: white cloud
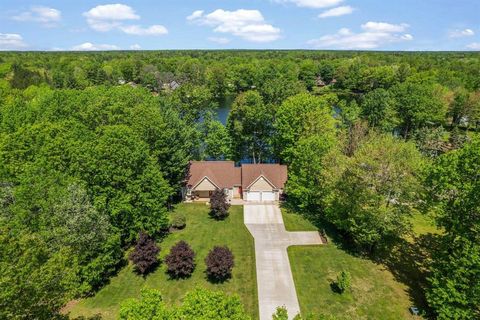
pixel 312 3
pixel 135 47
pixel 112 16
pixel 384 27
pixel 249 25
pixel 44 15
pixel 461 33
pixel 374 35
pixel 154 30
pixel 219 40
pixel 11 41
pixel 115 11
pixel 336 12
pixel 474 46
pixel 109 16
pixel 88 46
pixel 196 14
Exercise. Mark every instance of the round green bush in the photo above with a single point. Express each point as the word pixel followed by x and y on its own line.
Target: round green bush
pixel 178 221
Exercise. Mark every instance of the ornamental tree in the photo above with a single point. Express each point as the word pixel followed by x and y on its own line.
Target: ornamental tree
pixel 181 260
pixel 144 256
pixel 219 205
pixel 220 262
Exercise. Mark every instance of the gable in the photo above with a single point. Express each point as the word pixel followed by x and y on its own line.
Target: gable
pixel 205 185
pixel 261 184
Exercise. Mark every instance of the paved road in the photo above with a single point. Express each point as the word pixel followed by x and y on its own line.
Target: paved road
pixel 274 276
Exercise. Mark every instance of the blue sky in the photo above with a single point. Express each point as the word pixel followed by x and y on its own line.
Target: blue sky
pixel 229 24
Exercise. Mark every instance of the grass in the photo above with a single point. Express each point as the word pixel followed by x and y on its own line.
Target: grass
pixel 202 233
pixel 423 224
pixel 375 292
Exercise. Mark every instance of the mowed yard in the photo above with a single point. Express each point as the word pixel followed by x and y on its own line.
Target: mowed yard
pixel 202 233
pixel 375 293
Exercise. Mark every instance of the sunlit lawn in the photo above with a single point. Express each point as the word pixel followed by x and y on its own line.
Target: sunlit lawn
pixel 202 233
pixel 375 293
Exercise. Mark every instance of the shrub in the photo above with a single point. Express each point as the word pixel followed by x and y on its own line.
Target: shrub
pixel 219 263
pixel 280 314
pixel 179 221
pixel 181 260
pixel 144 256
pixel 219 205
pixel 344 281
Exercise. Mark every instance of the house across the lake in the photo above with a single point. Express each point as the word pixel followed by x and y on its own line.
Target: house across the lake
pixel 250 182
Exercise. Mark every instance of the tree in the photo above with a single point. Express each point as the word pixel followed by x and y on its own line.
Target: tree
pixel 312 159
pixel 144 256
pixel 300 116
pixel 219 263
pixel 126 182
pixel 454 186
pixel 454 289
pixel 281 313
pixel 326 71
pixel 193 102
pixel 181 260
pixel 202 304
pixel 150 306
pixel 219 205
pixel 250 127
pixel 458 108
pixel 46 222
pixel 431 141
pixel 376 190
pixel 307 73
pixel 378 108
pixel 216 141
pixel 418 104
pixel 199 304
pixel 344 281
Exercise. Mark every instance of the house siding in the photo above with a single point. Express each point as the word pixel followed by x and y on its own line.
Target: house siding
pixel 261 185
pixel 205 185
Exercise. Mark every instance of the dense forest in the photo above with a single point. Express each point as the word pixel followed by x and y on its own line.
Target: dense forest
pixel 94 148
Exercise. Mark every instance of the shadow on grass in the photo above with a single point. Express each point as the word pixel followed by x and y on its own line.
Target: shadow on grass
pixel 216 280
pixel 94 317
pixel 408 262
pixel 150 270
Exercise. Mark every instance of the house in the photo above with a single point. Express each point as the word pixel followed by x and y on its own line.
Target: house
pixel 251 182
pixel 172 85
pixel 319 82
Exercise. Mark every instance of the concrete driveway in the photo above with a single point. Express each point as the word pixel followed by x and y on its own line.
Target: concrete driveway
pixel 274 276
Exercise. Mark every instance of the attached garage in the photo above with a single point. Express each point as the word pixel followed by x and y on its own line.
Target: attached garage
pixel 268 196
pixel 253 196
pixel 261 190
pixel 260 196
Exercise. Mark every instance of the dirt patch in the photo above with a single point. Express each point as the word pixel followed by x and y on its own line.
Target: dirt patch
pixel 68 306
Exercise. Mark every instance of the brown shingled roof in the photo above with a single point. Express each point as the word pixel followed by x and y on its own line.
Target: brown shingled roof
pixel 223 174
pixel 275 173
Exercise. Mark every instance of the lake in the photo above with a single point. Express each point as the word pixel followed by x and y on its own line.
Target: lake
pixel 224 109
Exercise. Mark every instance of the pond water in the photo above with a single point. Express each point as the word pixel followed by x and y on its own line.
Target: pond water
pixel 224 109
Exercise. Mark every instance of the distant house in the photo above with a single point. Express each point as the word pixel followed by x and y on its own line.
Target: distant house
pixel 319 82
pixel 172 85
pixel 250 182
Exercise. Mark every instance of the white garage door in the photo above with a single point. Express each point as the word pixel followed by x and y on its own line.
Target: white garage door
pixel 268 196
pixel 253 196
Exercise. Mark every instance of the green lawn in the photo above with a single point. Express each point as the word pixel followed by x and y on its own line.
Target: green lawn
pixel 202 233
pixel 375 294
pixel 423 224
